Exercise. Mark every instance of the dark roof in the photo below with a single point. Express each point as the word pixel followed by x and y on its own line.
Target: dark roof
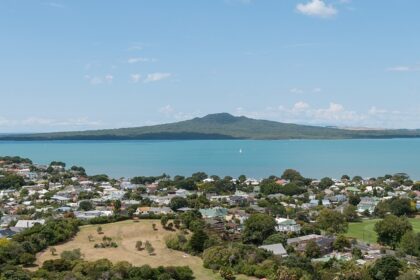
pixel 7 232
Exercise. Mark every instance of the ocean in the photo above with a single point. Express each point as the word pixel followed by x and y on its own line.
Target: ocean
pixel 256 159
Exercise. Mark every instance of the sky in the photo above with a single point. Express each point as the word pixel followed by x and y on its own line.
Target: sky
pixel 77 65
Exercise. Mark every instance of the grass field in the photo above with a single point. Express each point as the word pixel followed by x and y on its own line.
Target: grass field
pixel 365 230
pixel 126 234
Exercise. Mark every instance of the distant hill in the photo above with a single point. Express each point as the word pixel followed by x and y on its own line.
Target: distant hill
pixel 219 126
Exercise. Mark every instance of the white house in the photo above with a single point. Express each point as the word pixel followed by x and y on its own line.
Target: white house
pixel 276 249
pixel 287 225
pixel 28 223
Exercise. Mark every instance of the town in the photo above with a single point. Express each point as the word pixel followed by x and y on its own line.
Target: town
pixel 285 226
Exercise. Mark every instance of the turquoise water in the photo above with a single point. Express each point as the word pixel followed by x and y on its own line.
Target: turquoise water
pixel 314 158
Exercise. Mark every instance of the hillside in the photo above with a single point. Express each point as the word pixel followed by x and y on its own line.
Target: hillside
pixel 218 126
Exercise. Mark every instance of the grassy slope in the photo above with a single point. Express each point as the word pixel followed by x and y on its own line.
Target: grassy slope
pixel 365 230
pixel 220 126
pixel 126 234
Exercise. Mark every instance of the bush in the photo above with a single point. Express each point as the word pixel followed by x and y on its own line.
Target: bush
pixel 71 255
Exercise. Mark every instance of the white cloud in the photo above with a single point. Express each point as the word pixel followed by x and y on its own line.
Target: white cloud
pixel 296 90
pixel 135 78
pixel 97 80
pixel 317 90
pixel 133 60
pixel 336 114
pixel 109 78
pixel 238 1
pixel 166 110
pixel 136 47
pixel 172 114
pixel 154 77
pixel 94 80
pixel 300 106
pixel 317 8
pixel 55 5
pixel 35 123
pixel 403 68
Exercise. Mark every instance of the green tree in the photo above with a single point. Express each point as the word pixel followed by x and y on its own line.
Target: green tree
pixel 332 221
pixel 345 177
pixel 149 248
pixel 227 273
pixel 312 250
pixel 408 275
pixel 275 239
pixel 86 205
pixel 139 245
pixel 354 199
pixel 197 241
pixel 391 229
pixel 325 183
pixel 53 251
pixel 350 212
pixel 27 259
pixel 400 206
pixel 292 175
pixel 386 268
pixel 356 253
pixel 11 181
pixel 164 220
pixel 71 255
pixel 257 228
pixel 410 243
pixel 341 243
pixel 117 206
pixel 178 202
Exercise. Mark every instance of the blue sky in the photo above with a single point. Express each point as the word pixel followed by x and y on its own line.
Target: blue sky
pixel 79 64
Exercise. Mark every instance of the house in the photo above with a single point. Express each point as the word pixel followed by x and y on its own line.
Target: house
pixel 313 203
pixel 28 223
pixel 208 180
pixel 258 209
pixel 153 210
pixel 302 239
pixel 127 185
pixel 326 203
pixel 184 209
pixel 287 225
pixel 237 200
pixel 276 249
pixel 152 188
pixel 281 182
pixel 367 204
pixel 216 225
pixel 353 190
pixel 219 198
pixel 252 182
pixel 215 212
pixel 239 215
pixel 338 198
pixel 324 243
pixel 7 233
pixel 86 215
pixel 182 193
pixel 64 209
pixel 60 199
pixel 7 219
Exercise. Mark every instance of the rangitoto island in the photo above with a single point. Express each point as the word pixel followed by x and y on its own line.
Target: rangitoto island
pixel 220 126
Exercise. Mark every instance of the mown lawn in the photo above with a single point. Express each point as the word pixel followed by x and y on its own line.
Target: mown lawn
pixel 365 230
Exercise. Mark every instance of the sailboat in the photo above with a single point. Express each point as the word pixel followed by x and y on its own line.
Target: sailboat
pixel 240 151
